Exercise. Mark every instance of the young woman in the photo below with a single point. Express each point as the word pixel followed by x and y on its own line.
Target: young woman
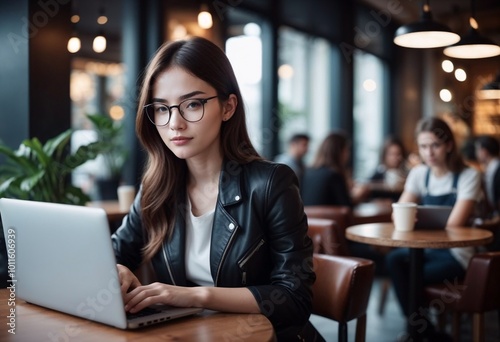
pixel 327 181
pixel 445 180
pixel 392 169
pixel 223 229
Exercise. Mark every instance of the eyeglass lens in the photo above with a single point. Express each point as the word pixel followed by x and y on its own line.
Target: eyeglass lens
pixel 190 109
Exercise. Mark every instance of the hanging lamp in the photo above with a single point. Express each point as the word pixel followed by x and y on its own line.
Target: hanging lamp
pixel 491 90
pixel 425 33
pixel 473 45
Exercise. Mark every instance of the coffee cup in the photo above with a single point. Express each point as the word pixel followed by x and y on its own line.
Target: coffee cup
pixel 126 195
pixel 403 215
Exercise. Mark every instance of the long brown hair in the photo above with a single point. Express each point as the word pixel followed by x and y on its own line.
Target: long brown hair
pixel 164 176
pixel 330 152
pixel 442 131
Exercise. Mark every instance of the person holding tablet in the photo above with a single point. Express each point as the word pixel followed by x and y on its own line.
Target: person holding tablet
pixel 443 179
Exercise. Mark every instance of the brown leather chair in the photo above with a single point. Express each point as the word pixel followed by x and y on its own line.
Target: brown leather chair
pixel 480 293
pixel 340 214
pixel 493 225
pixel 327 237
pixel 343 216
pixel 342 290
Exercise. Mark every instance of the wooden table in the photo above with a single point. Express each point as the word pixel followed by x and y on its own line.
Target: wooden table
pixel 383 234
pixel 34 323
pixel 111 207
pixel 113 212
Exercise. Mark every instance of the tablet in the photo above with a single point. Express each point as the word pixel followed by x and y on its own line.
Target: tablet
pixel 432 217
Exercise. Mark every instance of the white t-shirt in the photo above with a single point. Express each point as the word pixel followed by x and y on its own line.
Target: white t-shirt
pixel 468 188
pixel 198 241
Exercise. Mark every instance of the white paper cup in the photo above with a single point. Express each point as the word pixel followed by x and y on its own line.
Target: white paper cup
pixel 126 194
pixel 403 215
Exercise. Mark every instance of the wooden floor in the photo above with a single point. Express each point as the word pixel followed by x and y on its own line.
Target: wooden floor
pixel 390 326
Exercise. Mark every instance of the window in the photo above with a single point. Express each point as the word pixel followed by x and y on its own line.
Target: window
pixel 369 112
pixel 245 54
pixel 304 87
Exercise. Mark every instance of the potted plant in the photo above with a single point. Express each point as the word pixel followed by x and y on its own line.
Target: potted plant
pixel 114 154
pixel 41 172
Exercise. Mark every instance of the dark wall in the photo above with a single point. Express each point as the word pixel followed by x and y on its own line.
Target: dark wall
pixel 34 69
pixel 14 61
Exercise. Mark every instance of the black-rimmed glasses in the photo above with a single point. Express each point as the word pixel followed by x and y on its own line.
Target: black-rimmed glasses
pixel 191 110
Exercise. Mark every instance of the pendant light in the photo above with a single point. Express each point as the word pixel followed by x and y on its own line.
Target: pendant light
pixel 99 43
pixel 491 90
pixel 205 18
pixel 473 45
pixel 74 43
pixel 425 33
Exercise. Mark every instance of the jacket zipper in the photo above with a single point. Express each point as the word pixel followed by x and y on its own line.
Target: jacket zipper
pixel 243 262
pixel 168 265
pixel 224 256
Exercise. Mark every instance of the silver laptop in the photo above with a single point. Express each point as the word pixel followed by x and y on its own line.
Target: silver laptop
pixel 432 217
pixel 64 261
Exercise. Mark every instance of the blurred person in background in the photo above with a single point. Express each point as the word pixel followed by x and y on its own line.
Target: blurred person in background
pixel 487 154
pixel 297 148
pixel 392 169
pixel 328 181
pixel 389 177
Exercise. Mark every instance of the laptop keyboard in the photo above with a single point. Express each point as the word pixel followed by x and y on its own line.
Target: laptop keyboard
pixel 142 313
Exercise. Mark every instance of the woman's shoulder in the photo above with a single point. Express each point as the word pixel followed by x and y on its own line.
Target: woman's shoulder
pixel 265 169
pixel 418 170
pixel 470 173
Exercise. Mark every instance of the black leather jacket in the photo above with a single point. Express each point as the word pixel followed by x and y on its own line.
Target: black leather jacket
pixel 259 241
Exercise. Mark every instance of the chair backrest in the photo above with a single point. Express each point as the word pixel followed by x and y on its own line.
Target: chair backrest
pixel 481 284
pixel 493 225
pixel 327 237
pixel 342 288
pixel 340 214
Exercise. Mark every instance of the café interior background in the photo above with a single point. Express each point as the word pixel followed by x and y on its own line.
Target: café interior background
pixel 303 66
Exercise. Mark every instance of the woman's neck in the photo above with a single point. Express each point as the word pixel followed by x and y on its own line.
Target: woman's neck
pixel 203 184
pixel 439 171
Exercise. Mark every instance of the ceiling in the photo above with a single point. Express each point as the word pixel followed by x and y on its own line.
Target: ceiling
pixel 454 13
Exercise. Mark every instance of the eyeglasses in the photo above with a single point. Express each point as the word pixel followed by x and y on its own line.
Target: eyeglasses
pixel 191 110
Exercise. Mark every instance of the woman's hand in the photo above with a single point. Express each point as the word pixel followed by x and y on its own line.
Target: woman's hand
pixel 128 280
pixel 147 295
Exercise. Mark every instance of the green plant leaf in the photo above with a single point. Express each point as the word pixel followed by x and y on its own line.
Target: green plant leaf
pixel 20 157
pixel 40 172
pixel 29 183
pixel 37 151
pixel 57 144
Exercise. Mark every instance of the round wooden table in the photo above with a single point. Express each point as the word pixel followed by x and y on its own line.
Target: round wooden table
pixel 384 234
